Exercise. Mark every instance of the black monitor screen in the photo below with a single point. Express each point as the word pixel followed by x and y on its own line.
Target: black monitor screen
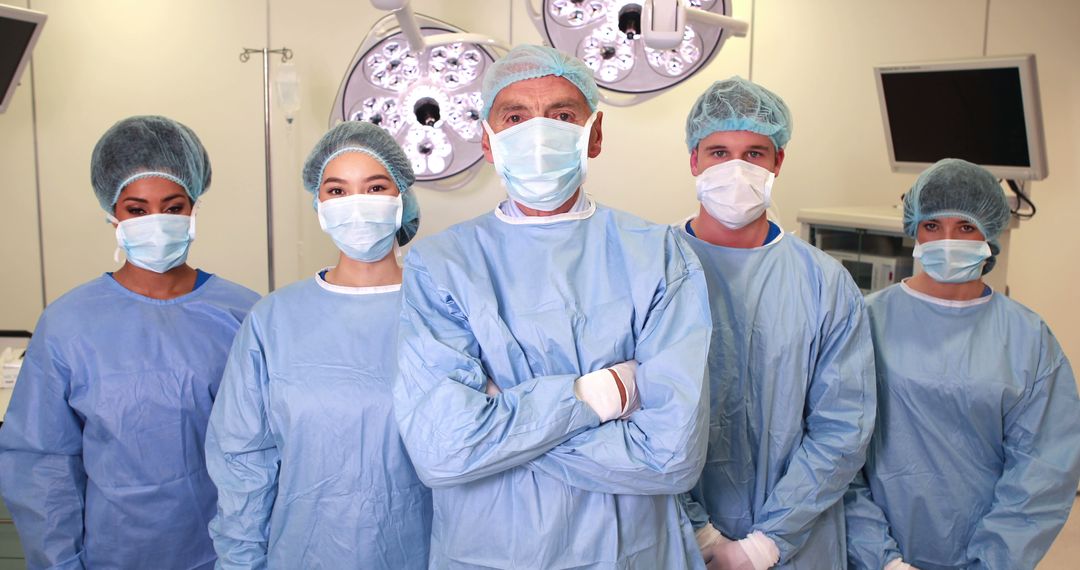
pixel 14 37
pixel 973 114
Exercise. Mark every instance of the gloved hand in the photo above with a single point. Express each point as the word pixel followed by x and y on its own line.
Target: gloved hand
pixel 899 564
pixel 755 552
pixel 709 542
pixel 491 388
pixel 611 392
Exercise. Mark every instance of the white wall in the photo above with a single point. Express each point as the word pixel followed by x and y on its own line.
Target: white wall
pixel 101 60
pixel 1043 270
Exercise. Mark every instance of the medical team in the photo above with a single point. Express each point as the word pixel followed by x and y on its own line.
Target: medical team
pixel 554 384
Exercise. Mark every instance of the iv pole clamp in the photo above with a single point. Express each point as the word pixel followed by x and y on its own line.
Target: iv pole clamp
pixel 286 55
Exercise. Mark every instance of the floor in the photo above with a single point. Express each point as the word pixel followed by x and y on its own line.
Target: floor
pixel 1065 554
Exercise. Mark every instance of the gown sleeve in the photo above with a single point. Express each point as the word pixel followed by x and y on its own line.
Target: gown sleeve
pixel 42 477
pixel 242 455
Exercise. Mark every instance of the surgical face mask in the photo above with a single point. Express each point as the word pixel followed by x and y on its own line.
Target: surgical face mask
pixel 735 192
pixel 158 242
pixel 362 226
pixel 541 162
pixel 952 260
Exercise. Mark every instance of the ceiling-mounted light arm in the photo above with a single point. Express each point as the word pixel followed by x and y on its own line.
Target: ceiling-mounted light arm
pixel 406 18
pixel 418 42
pixel 663 22
pixel 738 28
pixel 469 38
pixel 625 99
pixel 534 14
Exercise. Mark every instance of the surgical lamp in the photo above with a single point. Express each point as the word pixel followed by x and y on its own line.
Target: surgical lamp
pixel 419 79
pixel 637 49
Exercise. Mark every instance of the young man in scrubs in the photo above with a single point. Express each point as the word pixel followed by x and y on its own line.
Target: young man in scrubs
pixel 791 366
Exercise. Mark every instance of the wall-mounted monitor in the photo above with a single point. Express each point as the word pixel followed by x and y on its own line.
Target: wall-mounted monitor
pixel 19 31
pixel 985 111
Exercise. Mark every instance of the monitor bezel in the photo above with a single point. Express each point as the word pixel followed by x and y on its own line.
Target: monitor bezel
pixel 24 15
pixel 1029 92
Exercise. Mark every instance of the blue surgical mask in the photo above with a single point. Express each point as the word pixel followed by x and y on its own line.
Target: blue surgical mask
pixel 541 162
pixel 158 242
pixel 363 226
pixel 952 260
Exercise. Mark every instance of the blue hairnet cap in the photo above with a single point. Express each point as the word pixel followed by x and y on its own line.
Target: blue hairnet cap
pixel 529 62
pixel 954 188
pixel 735 104
pixel 372 140
pixel 148 146
pixel 957 188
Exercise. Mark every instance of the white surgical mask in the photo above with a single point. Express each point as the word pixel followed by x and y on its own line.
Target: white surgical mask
pixel 541 162
pixel 363 226
pixel 952 260
pixel 157 242
pixel 735 192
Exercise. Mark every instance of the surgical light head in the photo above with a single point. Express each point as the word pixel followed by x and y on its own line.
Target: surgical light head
pixel 148 146
pixel 735 104
pixel 421 83
pixel 369 139
pixel 529 62
pixel 637 49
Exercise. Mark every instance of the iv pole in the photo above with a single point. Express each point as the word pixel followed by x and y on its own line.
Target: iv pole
pixel 286 55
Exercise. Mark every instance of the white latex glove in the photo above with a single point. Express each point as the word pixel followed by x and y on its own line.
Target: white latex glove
pixel 761 550
pixel 491 388
pixel 755 552
pixel 610 392
pixel 899 564
pixel 709 540
pixel 729 556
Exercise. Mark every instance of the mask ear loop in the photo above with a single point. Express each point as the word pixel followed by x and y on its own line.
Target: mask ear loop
pixel 772 211
pixel 496 158
pixel 400 212
pixel 586 137
pixel 399 257
pixel 191 225
pixel 111 219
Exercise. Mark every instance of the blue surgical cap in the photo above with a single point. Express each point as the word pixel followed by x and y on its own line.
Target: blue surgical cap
pixel 148 146
pixel 954 188
pixel 372 140
pixel 735 104
pixel 529 62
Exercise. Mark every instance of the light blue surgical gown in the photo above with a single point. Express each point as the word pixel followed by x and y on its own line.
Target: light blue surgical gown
pixel 529 479
pixel 976 455
pixel 101 452
pixel 302 444
pixel 791 372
